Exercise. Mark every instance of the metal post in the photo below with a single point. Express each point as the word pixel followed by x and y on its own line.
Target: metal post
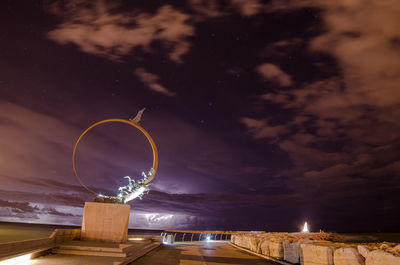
pixel 183 237
pixel 191 239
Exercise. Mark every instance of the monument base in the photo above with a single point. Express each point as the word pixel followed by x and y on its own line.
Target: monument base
pixel 105 222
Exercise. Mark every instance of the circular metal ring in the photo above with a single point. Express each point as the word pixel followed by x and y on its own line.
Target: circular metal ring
pixel 153 146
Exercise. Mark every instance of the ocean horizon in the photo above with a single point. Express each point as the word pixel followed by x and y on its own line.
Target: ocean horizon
pixel 13 231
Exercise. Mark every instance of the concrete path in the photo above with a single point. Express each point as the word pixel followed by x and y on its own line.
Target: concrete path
pixel 210 253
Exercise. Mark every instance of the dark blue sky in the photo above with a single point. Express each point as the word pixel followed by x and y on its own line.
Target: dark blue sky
pixel 265 114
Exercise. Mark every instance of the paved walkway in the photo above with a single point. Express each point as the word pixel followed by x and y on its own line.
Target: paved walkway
pixel 210 253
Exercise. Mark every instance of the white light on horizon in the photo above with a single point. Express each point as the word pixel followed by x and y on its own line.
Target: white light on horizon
pixel 305 228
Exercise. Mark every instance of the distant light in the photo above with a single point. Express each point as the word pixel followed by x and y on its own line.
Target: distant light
pixel 136 238
pixel 305 228
pixel 17 260
pixel 208 238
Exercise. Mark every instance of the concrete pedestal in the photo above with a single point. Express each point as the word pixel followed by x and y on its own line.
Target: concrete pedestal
pixel 105 222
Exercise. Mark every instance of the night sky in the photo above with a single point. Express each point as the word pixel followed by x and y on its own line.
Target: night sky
pixel 265 114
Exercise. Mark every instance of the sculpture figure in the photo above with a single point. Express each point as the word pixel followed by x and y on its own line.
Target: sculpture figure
pixel 133 189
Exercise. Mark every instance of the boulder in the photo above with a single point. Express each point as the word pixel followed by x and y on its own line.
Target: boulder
pixel 397 248
pixel 316 254
pixel 384 246
pixel 347 256
pixel 291 251
pixel 246 241
pixel 276 249
pixel 255 244
pixel 238 240
pixel 234 239
pixel 264 247
pixel 363 250
pixel 380 257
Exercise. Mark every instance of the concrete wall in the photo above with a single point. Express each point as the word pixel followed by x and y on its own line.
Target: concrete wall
pixel 317 249
pixel 64 235
pixel 10 249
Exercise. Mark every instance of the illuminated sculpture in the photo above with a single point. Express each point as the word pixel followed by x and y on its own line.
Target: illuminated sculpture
pixel 133 189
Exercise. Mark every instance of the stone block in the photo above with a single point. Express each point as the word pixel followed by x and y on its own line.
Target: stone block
pixel 316 254
pixel 276 249
pixel 254 244
pixel 239 240
pixel 105 222
pixel 264 247
pixel 397 248
pixel 233 239
pixel 245 242
pixel 363 250
pixel 380 257
pixel 291 252
pixel 347 256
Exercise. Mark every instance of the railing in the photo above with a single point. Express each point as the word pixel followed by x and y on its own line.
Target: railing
pixel 172 236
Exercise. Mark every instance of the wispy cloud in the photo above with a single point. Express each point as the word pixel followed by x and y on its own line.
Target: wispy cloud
pixel 247 7
pixel 272 72
pixel 151 81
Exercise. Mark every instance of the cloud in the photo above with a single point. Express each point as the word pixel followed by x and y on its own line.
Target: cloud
pixel 247 7
pixel 151 81
pixel 206 8
pixel 103 29
pixel 260 128
pixel 18 207
pixel 272 72
pixel 339 124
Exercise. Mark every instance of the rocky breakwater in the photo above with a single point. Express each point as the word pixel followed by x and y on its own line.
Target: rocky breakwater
pixel 318 249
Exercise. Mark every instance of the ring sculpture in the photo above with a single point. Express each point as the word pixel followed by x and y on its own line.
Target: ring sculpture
pixel 133 189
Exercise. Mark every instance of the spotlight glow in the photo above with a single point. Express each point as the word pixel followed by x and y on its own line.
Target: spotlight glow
pixel 208 238
pixel 305 228
pixel 24 259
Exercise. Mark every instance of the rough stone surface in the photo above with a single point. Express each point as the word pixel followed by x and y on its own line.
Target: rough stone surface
pixel 380 257
pixel 319 248
pixel 255 244
pixel 276 249
pixel 397 248
pixel 316 255
pixel 264 247
pixel 246 242
pixel 347 256
pixel 291 251
pixel 363 250
pixel 384 246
